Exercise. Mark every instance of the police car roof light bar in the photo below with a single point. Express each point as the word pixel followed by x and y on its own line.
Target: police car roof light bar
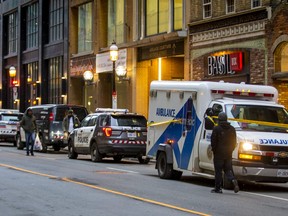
pixel 109 110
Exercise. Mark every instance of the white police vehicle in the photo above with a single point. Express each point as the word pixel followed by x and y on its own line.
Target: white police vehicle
pixel 110 133
pixel 9 125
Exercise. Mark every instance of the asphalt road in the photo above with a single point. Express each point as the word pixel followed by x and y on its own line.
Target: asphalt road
pixel 52 184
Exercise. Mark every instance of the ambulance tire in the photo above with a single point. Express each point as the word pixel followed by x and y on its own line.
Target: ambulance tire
pixel 165 170
pixel 71 152
pixel 20 145
pixel 95 155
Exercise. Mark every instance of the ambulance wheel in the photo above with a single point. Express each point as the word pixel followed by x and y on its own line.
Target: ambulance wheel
pixel 71 153
pixel 95 155
pixel 164 169
pixel 19 144
pixel 143 161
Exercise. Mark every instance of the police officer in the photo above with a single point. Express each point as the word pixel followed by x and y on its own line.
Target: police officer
pixel 70 122
pixel 223 142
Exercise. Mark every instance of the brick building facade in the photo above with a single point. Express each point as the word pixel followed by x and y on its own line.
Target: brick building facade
pixel 239 42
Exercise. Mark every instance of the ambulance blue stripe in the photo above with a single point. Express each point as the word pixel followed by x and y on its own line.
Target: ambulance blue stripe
pixel 174 131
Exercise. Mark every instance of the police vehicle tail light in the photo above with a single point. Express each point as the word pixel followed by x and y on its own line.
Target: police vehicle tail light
pixel 51 117
pixel 250 157
pixel 107 131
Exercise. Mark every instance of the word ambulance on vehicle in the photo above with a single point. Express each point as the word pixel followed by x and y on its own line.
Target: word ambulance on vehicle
pixel 178 140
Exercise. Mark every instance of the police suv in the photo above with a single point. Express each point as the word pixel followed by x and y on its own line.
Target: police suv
pixel 9 122
pixel 110 133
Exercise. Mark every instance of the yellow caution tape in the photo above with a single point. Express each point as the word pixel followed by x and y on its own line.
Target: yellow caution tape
pixel 280 125
pixel 151 124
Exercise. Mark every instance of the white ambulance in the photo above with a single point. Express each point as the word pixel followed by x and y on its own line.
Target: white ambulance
pixel 179 141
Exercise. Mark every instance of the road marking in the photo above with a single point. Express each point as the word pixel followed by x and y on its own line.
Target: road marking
pixel 122 170
pixel 109 191
pixel 267 196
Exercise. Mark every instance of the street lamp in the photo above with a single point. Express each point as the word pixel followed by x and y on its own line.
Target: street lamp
pixel 114 58
pixel 12 72
pixel 88 76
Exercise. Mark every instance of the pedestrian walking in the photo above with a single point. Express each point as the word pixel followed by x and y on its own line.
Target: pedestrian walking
pixel 70 122
pixel 223 142
pixel 28 123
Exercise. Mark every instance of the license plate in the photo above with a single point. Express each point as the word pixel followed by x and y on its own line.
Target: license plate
pixel 282 173
pixel 132 135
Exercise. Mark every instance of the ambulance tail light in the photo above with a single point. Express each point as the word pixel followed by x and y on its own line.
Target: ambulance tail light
pixel 107 131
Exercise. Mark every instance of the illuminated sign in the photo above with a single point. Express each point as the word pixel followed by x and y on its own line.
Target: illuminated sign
pixel 227 64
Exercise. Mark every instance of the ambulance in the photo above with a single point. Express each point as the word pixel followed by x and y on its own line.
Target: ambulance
pixel 178 140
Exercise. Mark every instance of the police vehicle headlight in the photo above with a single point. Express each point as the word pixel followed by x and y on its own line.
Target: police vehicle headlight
pixel 247 146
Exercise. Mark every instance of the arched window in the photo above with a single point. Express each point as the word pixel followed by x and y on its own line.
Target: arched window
pixel 281 58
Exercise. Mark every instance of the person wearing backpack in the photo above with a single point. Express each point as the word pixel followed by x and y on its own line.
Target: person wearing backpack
pixel 223 142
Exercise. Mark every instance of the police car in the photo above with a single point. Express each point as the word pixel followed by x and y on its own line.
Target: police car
pixel 110 133
pixel 9 124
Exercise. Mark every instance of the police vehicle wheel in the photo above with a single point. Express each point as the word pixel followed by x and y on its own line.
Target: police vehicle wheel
pixel 95 155
pixel 19 144
pixel 164 169
pixel 117 158
pixel 71 153
pixel 143 161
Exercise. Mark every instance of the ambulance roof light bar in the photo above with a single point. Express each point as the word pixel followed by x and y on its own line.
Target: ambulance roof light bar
pixel 242 93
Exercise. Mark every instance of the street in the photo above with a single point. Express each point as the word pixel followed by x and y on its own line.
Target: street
pixel 52 184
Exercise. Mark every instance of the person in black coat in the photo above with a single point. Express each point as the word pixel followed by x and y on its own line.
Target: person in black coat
pixel 223 142
pixel 209 121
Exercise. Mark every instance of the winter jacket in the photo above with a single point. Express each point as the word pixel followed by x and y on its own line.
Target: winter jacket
pixel 223 140
pixel 28 123
pixel 65 124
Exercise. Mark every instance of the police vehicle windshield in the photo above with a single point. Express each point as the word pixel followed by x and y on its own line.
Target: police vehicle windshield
pixel 9 117
pixel 260 118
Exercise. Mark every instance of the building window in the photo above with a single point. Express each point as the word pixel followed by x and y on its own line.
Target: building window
pixel 85 27
pixel 56 20
pixel 116 11
pixel 178 14
pixel 32 78
pixel 32 26
pixel 157 16
pixel 207 8
pixel 230 6
pixel 55 78
pixel 12 33
pixel 255 3
pixel 281 58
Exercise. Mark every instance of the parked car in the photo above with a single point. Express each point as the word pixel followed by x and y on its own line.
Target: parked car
pixel 110 133
pixel 49 118
pixel 9 122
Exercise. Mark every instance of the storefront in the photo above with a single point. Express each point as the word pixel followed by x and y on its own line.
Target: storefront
pixel 81 92
pixel 162 61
